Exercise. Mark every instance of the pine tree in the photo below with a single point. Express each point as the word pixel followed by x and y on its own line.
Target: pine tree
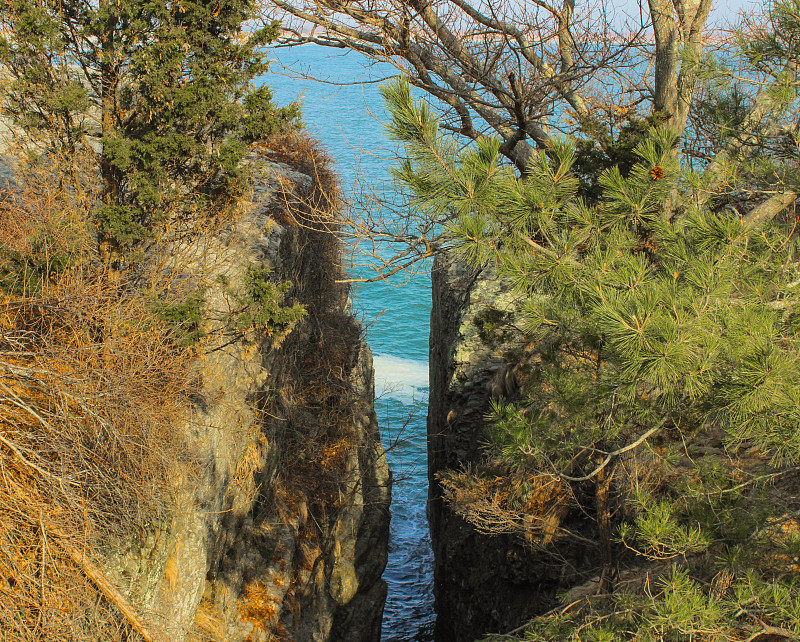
pixel 659 318
pixel 158 94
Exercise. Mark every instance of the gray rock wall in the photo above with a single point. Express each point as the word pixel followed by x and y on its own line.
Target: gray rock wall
pixel 282 527
pixel 483 583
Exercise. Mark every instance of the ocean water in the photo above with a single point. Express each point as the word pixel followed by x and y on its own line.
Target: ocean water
pixel 346 113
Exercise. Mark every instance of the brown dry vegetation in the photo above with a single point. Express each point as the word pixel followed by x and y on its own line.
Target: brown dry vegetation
pixel 320 437
pixel 90 394
pixel 527 504
pixel 318 207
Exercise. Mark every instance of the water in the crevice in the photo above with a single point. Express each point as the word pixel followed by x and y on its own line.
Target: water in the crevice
pixel 348 120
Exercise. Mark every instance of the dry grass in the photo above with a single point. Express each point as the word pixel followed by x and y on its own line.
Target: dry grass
pixel 524 504
pixel 320 206
pixel 90 394
pixel 315 211
pixel 259 605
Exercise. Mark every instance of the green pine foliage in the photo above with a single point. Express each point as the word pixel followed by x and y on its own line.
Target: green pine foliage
pixel 260 304
pixel 655 320
pixel 608 145
pixel 159 93
pixel 689 312
pixel 184 318
pixel 750 98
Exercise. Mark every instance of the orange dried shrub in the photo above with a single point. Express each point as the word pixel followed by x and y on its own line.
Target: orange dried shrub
pixel 260 606
pixel 324 201
pixel 92 390
pixel 526 504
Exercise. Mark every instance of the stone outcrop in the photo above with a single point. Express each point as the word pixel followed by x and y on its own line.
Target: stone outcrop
pixel 483 583
pixel 282 527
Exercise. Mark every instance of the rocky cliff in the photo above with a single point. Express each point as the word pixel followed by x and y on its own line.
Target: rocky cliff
pixel 483 582
pixel 282 527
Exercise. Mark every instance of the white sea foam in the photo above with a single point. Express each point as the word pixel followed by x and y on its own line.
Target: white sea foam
pixel 400 378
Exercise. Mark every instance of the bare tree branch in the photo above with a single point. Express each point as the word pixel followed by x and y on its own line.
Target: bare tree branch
pixel 520 72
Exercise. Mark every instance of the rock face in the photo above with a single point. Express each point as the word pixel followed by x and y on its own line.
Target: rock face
pixel 282 528
pixel 483 583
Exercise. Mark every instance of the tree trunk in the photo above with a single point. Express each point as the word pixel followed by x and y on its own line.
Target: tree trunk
pixel 678 28
pixel 604 514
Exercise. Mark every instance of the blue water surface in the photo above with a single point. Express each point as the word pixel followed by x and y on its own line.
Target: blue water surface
pixel 348 119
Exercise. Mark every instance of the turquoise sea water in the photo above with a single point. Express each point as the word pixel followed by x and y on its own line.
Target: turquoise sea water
pixel 348 120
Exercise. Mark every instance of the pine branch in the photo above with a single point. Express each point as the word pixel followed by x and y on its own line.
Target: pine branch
pixel 766 629
pixel 770 208
pixel 615 453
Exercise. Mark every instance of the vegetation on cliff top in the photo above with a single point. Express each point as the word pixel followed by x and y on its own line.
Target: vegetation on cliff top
pixel 659 365
pixel 156 97
pixel 129 122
